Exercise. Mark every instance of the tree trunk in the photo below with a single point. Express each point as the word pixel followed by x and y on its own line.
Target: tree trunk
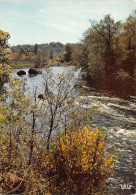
pixel 32 141
pixel 49 135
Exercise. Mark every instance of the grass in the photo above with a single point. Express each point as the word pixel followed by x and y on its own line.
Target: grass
pixel 19 65
pixel 22 65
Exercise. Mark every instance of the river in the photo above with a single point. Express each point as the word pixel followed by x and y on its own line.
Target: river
pixel 116 117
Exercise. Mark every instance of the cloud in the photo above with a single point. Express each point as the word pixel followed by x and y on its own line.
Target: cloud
pixel 30 21
pixel 63 16
pixel 66 16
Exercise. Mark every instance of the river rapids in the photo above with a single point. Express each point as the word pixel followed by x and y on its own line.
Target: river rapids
pixel 117 119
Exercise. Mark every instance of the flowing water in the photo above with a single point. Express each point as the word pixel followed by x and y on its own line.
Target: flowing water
pixel 116 117
pixel 117 120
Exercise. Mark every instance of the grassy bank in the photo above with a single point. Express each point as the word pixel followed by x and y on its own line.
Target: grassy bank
pixel 20 65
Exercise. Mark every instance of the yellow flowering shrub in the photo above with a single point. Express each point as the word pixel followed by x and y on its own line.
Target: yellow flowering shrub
pixel 5 71
pixel 4 58
pixel 80 162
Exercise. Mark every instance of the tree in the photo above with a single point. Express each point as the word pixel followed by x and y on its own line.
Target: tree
pixel 21 51
pixel 76 54
pixel 51 54
pixel 13 126
pixel 68 53
pixel 103 36
pixel 38 61
pixel 4 36
pixel 58 97
pixel 4 58
pixel 35 49
pixel 5 71
pixel 19 130
pixel 100 51
pixel 35 124
pixel 129 48
pixel 61 111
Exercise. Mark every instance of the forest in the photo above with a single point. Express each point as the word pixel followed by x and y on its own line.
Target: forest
pixel 108 53
pixel 75 160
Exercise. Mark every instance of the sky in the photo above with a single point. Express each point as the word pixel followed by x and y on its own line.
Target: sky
pixel 65 21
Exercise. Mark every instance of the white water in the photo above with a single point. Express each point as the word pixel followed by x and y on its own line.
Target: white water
pixel 116 117
pixel 77 73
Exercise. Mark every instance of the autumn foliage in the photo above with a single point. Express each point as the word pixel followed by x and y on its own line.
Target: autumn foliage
pixel 5 71
pixel 80 162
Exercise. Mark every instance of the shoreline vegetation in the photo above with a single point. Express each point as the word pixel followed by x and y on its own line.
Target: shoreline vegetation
pixel 76 161
pixel 32 65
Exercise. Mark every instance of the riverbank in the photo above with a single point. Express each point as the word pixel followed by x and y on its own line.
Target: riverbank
pixel 22 65
pixel 113 87
pixel 51 63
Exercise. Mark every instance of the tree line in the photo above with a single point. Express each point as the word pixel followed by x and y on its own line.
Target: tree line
pixel 108 54
pixel 42 49
pixel 36 55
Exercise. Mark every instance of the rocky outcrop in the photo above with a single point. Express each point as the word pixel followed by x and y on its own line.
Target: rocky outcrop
pixel 21 73
pixel 33 71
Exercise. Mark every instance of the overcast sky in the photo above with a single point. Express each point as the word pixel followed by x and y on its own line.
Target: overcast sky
pixel 44 21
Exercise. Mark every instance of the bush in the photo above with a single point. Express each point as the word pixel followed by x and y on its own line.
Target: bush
pixel 80 162
pixel 124 82
pixel 5 71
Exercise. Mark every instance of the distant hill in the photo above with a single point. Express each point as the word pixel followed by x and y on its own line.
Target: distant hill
pixel 42 49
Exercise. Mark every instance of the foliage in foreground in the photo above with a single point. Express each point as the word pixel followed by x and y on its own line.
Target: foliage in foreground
pixel 80 162
pixel 5 70
pixel 77 164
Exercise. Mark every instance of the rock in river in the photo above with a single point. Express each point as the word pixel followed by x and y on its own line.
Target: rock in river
pixel 21 72
pixel 33 71
pixel 41 96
